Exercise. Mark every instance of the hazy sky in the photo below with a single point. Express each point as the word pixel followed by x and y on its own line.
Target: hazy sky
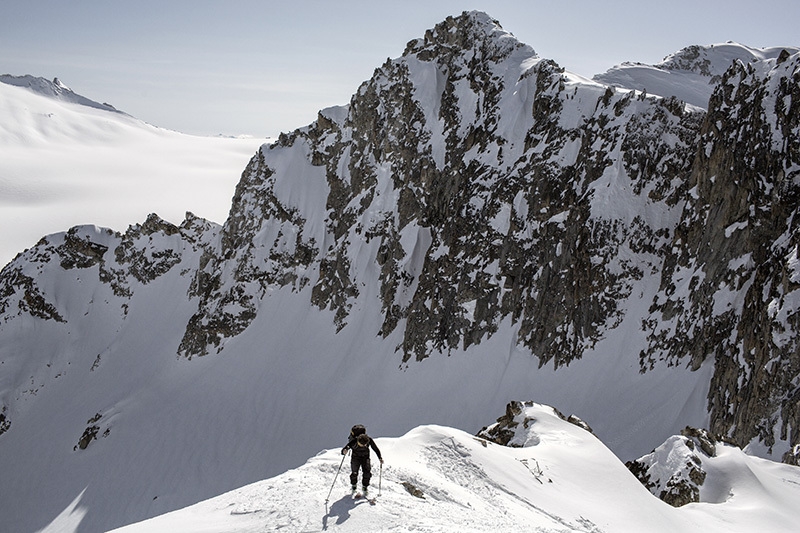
pixel 261 67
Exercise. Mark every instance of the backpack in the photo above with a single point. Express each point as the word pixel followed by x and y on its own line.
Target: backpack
pixel 357 430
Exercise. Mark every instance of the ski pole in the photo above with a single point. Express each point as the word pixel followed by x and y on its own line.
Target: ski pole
pixel 380 478
pixel 336 476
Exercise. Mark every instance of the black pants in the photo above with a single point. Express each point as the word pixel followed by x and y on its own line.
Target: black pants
pixel 357 462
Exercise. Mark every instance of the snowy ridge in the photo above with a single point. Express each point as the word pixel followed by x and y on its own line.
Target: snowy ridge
pixel 54 89
pixel 436 478
pixel 690 74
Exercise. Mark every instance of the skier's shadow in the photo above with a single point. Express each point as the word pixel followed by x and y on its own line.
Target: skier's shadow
pixel 340 509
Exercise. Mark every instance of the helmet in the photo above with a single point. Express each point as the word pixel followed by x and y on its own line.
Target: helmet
pixel 363 440
pixel 357 430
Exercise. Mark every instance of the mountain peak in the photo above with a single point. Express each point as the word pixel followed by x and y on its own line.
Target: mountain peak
pixel 471 31
pixel 55 89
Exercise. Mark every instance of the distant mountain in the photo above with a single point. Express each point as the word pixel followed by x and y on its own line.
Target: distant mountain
pixel 54 89
pixel 65 163
pixel 690 74
pixel 477 225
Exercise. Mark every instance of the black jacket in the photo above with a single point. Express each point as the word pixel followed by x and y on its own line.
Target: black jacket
pixel 361 451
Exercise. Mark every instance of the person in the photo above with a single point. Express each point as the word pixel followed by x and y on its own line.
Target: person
pixel 360 443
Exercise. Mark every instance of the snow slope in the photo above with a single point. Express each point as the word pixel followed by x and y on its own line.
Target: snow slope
pixel 66 163
pixel 689 74
pixel 441 479
pixel 179 431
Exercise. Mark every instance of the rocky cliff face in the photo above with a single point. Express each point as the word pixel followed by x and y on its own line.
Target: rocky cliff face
pixel 729 287
pixel 466 172
pixel 470 183
pixel 484 184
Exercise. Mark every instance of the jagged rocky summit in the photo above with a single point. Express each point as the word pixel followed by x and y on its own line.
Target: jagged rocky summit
pixel 481 181
pixel 469 183
pixel 473 182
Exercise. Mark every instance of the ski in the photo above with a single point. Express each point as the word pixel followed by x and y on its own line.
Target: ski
pixel 359 496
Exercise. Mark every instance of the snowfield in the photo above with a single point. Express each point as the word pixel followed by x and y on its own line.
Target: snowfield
pixel 66 164
pixel 441 479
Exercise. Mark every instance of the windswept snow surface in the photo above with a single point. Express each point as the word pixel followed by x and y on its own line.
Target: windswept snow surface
pixel 563 480
pixel 65 163
pixel 690 74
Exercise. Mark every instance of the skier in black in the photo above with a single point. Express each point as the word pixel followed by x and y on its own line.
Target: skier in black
pixel 360 444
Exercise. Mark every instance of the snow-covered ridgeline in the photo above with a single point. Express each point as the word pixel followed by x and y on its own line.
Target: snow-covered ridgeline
pixel 558 477
pixel 690 74
pixel 54 89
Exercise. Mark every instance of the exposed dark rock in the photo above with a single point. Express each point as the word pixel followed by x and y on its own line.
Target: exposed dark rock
pixel 792 457
pixel 413 490
pixel 505 429
pixel 77 252
pixel 706 441
pixel 572 419
pixel 5 423
pixel 674 471
pixel 22 290
pixel 90 433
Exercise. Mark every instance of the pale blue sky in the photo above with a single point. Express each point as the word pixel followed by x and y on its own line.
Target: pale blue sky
pixel 261 67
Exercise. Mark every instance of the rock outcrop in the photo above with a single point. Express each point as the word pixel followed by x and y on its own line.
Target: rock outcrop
pixel 514 428
pixel 675 470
